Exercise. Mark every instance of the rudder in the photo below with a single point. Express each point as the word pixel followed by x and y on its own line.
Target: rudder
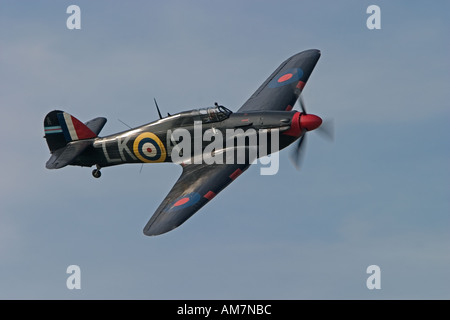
pixel 61 128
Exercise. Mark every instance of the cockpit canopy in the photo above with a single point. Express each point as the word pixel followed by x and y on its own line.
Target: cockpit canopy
pixel 205 115
pixel 213 114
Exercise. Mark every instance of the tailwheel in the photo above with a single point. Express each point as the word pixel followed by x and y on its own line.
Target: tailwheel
pixel 96 172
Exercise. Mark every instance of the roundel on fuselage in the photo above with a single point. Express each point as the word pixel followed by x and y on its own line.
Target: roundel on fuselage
pixel 149 148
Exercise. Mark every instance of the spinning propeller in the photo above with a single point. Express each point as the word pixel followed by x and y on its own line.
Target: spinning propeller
pixel 309 122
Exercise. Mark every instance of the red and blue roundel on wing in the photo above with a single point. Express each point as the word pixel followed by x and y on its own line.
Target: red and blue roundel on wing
pixel 185 201
pixel 286 77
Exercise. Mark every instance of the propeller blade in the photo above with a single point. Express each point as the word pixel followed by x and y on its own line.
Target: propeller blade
pixel 326 130
pixel 298 153
pixel 302 104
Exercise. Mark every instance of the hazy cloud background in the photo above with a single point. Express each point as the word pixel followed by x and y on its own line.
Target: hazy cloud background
pixel 378 195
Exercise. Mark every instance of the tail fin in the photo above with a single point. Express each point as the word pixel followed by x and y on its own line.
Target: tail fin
pixel 61 128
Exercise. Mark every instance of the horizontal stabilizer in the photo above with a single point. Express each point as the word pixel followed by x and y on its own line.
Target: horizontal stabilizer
pixel 96 125
pixel 64 156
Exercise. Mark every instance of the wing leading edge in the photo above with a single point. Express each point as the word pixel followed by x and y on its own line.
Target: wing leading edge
pixel 281 90
pixel 197 185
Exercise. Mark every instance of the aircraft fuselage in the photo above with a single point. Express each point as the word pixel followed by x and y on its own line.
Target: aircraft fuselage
pixel 154 142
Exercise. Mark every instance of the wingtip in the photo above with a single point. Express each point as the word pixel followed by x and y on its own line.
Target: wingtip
pixel 309 53
pixel 313 51
pixel 149 233
pixel 155 230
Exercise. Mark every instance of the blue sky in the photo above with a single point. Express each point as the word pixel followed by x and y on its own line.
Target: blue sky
pixel 379 194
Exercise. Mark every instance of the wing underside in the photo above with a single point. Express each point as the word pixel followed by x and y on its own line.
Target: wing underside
pixel 197 185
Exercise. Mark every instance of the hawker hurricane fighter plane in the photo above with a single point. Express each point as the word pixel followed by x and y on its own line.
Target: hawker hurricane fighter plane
pixel 269 109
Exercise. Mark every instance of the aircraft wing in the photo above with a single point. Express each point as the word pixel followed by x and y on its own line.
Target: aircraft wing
pixel 281 90
pixel 197 185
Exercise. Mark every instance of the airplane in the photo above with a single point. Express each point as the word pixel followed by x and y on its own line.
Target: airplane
pixel 270 108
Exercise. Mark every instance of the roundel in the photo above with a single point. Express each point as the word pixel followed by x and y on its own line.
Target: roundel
pixel 149 148
pixel 185 201
pixel 286 77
